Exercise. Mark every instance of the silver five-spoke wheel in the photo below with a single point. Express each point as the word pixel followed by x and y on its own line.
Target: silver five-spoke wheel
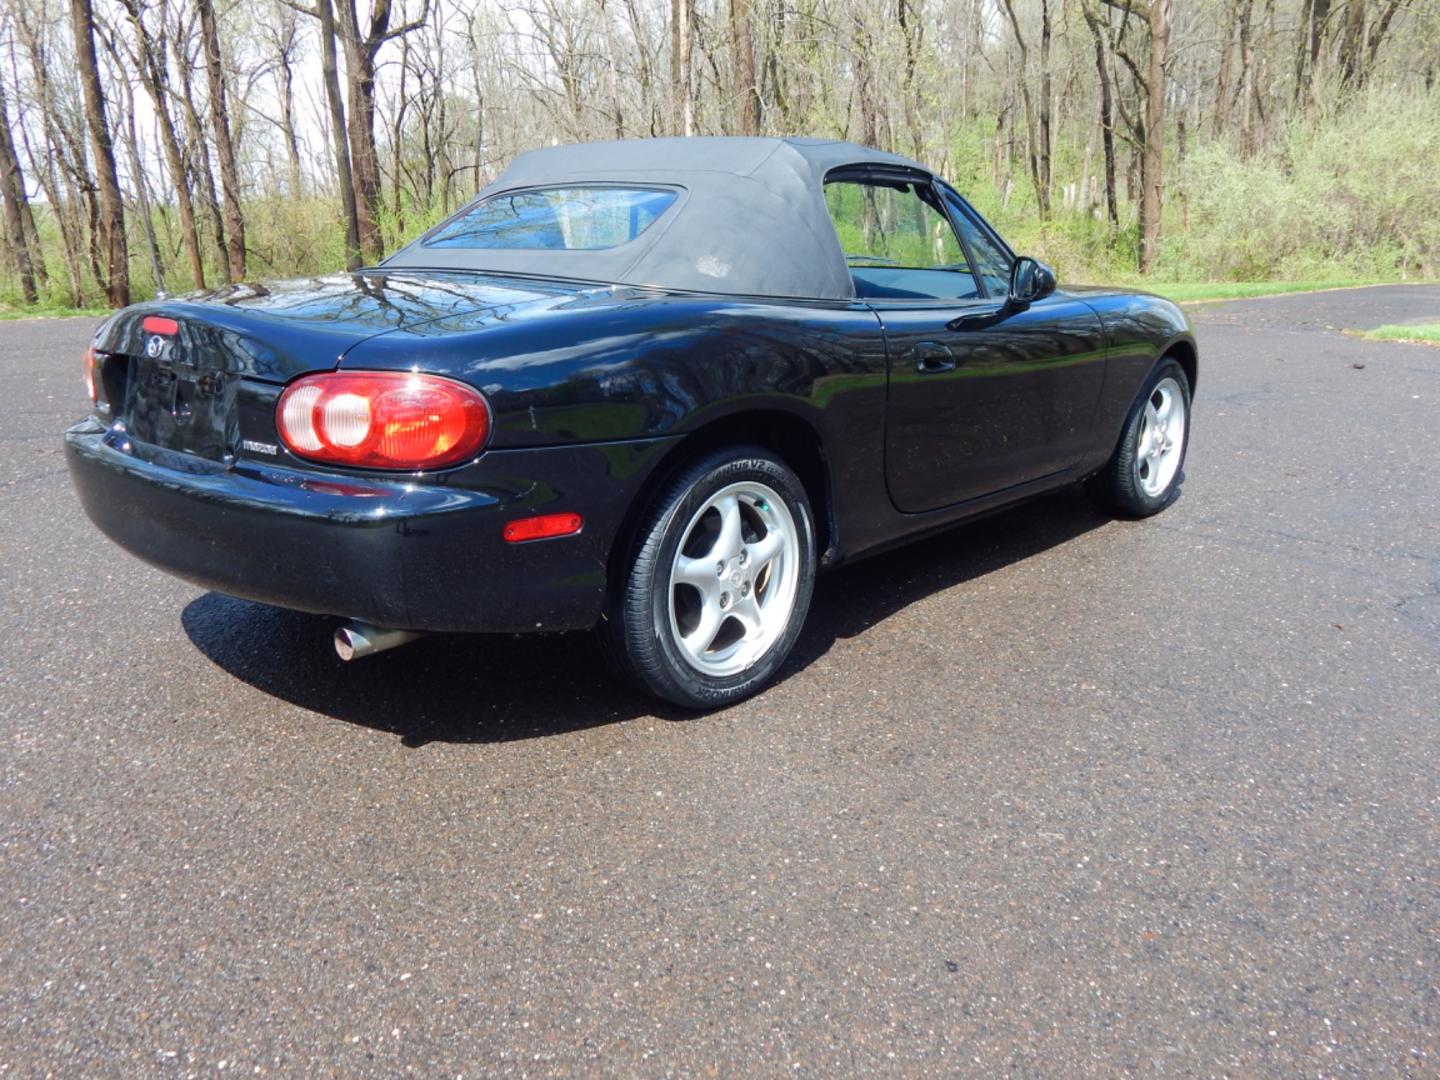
pixel 718 580
pixel 1162 437
pixel 733 579
pixel 1142 476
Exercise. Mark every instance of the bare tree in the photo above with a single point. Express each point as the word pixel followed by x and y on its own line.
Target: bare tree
pixel 342 162
pixel 1147 123
pixel 682 46
pixel 112 208
pixel 361 51
pixel 1107 115
pixel 742 47
pixel 149 58
pixel 1037 126
pixel 910 18
pixel 224 145
pixel 281 32
pixel 181 36
pixel 59 159
pixel 130 138
pixel 12 192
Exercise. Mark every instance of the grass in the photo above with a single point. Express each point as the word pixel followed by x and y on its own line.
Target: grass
pixel 1429 333
pixel 48 311
pixel 1194 292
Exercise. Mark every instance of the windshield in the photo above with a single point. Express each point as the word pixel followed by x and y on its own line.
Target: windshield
pixel 555 219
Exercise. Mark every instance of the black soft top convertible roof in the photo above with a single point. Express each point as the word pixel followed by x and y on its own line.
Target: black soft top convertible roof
pixel 750 219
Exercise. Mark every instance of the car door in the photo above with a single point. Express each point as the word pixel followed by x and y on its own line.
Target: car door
pixel 981 397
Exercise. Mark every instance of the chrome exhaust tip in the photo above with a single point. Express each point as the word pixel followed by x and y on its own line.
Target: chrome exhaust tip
pixel 356 640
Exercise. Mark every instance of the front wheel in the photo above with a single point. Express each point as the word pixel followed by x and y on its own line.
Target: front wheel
pixel 1141 476
pixel 718 581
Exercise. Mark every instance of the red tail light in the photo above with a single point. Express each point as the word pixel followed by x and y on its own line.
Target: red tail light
pixel 383 420
pixel 91 386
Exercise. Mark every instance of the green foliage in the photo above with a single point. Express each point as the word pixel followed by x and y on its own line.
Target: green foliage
pixel 1350 197
pixel 1199 292
pixel 294 237
pixel 880 225
pixel 14 308
pixel 1426 332
pixel 1355 196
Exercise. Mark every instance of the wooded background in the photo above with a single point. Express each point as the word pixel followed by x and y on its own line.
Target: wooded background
pixel 172 144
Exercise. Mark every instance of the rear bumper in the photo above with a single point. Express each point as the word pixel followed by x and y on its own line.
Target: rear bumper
pixel 410 553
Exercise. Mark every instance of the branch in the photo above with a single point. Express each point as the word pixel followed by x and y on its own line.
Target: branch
pixel 314 13
pixel 1130 7
pixel 413 24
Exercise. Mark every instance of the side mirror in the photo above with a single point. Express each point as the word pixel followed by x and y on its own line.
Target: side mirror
pixel 1030 280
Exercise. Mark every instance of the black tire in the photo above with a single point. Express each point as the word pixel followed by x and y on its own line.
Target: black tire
pixel 638 632
pixel 1119 487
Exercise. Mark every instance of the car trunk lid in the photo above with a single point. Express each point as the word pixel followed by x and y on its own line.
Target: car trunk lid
pixel 173 368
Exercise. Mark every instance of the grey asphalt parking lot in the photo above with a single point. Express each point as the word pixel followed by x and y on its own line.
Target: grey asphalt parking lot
pixel 1047 795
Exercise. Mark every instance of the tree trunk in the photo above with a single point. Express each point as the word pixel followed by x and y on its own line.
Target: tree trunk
pixel 344 175
pixel 198 163
pixel 32 242
pixel 682 14
pixel 1310 54
pixel 861 48
pixel 142 190
pixel 34 250
pixel 1152 161
pixel 1352 40
pixel 1248 139
pixel 742 46
pixel 1376 37
pixel 149 61
pixel 612 77
pixel 912 30
pixel 1222 80
pixel 12 191
pixel 112 207
pixel 1046 139
pixel 360 53
pixel 1033 152
pixel 49 166
pixel 645 71
pixel 287 125
pixel 1107 118
pixel 224 144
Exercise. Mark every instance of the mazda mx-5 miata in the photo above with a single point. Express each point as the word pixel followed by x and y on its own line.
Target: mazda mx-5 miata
pixel 649 387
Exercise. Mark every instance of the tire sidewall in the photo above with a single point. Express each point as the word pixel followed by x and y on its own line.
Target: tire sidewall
pixel 678 680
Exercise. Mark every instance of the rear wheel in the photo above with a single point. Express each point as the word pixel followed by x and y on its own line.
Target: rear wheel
pixel 717 583
pixel 1141 476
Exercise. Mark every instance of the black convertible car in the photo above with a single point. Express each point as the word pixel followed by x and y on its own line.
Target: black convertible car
pixel 649 387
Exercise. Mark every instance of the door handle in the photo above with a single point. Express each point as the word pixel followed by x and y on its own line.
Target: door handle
pixel 931 357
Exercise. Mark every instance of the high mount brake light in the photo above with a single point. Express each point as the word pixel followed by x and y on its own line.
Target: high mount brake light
pixel 383 420
pixel 159 324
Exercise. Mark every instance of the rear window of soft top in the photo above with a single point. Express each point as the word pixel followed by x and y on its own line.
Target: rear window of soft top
pixel 572 218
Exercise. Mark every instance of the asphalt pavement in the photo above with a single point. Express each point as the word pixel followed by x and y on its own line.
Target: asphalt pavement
pixel 1049 795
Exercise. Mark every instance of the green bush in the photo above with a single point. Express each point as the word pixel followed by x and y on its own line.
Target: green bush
pixel 1355 196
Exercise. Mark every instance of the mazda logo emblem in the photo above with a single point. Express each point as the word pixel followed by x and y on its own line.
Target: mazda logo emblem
pixel 155 346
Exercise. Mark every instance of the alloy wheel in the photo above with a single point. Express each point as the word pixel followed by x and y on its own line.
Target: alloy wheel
pixel 733 579
pixel 1162 438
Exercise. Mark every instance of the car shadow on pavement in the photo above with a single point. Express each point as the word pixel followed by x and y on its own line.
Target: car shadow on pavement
pixel 497 688
pixel 855 597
